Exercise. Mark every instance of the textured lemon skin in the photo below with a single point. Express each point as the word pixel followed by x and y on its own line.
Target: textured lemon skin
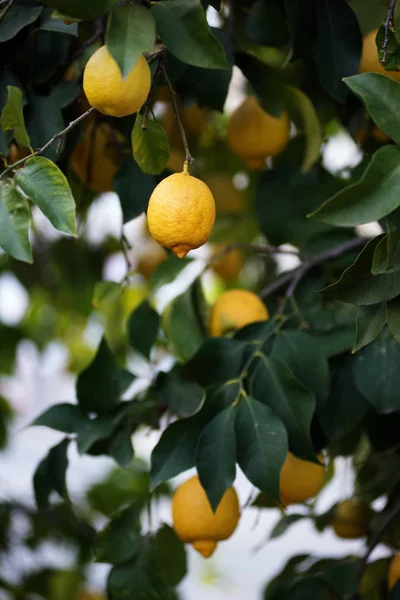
pixel 234 309
pixel 108 92
pixel 369 58
pixel 253 134
pixel 181 213
pixel 394 571
pixel 300 479
pixel 351 519
pixel 194 521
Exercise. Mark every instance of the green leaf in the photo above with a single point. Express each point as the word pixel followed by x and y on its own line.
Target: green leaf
pixel 44 119
pixel 183 28
pixel 261 445
pixel 377 375
pixel 134 189
pixel 358 286
pixel 182 397
pixel 170 555
pixel 120 447
pixel 150 145
pixel 15 219
pixel 167 271
pixel 266 82
pixel 387 253
pixel 12 117
pixel 393 317
pixel 303 114
pixel 120 540
pixel 266 25
pixel 131 30
pixel 283 525
pixel 302 353
pixel 311 587
pixel 62 417
pixel 370 322
pixel 100 386
pixel 50 475
pixel 43 182
pixel 381 96
pixel 143 327
pixel 372 197
pixel 87 11
pixel 217 361
pixel 105 292
pixel 91 431
pixel 274 384
pixel 216 455
pixel 16 18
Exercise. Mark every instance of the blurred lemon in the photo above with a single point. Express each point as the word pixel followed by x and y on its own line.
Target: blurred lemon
pixel 234 309
pixel 300 479
pixel 369 58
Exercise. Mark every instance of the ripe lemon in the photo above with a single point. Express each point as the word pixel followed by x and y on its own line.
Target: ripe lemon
pixel 394 571
pixel 254 135
pixel 194 521
pixel 369 58
pixel 234 309
pixel 98 156
pixel 181 213
pixel 228 267
pixel 228 199
pixel 108 92
pixel 300 479
pixel 351 519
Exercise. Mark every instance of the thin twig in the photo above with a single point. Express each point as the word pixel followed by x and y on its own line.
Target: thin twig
pixel 387 25
pixel 55 137
pixel 292 278
pixel 125 247
pixel 189 160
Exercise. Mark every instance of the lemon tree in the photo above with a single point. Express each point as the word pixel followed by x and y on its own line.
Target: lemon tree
pixel 240 300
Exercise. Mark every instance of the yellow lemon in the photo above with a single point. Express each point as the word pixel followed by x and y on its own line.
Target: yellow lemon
pixel 108 92
pixel 351 519
pixel 300 479
pixel 369 58
pixel 394 571
pixel 254 135
pixel 228 199
pixel 98 156
pixel 234 309
pixel 230 264
pixel 194 521
pixel 181 213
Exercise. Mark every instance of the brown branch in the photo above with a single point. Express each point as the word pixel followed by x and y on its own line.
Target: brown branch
pixel 388 23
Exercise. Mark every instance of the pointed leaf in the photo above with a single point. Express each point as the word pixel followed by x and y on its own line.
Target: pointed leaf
pixel 283 525
pixel 303 114
pixel 181 396
pixel 387 253
pixel 12 117
pixel 167 271
pixel 16 18
pixel 170 554
pixel 87 10
pixel 62 417
pixel 91 431
pixel 50 475
pixel 183 28
pixel 261 445
pixel 217 361
pixel 274 384
pixel 150 146
pixel 370 322
pixel 15 219
pixel 143 327
pixel 372 197
pixel 381 96
pixel 216 455
pixel 120 540
pixel 393 317
pixel 43 182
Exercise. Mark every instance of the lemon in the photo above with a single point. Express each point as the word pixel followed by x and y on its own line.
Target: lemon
pixel 98 156
pixel 300 479
pixel 230 264
pixel 351 519
pixel 234 309
pixel 108 92
pixel 369 58
pixel 394 571
pixel 228 199
pixel 194 521
pixel 181 213
pixel 254 135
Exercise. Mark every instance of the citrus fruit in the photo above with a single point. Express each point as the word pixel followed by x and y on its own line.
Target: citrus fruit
pixel 394 571
pixel 234 309
pixel 369 58
pixel 254 135
pixel 351 519
pixel 181 213
pixel 194 521
pixel 98 156
pixel 228 199
pixel 230 264
pixel 108 92
pixel 300 479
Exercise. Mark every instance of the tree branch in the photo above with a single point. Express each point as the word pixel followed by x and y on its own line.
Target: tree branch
pixel 387 25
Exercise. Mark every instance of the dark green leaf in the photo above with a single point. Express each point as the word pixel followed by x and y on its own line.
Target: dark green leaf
pixel 303 24
pixel 50 475
pixel 170 555
pixel 12 117
pixel 120 540
pixel 314 588
pixel 387 253
pixel 15 219
pixel 182 397
pixel 183 28
pixel 46 185
pixel 343 577
pixel 49 22
pixel 62 417
pixel 372 197
pixel 88 10
pixel 131 30
pixel 150 146
pixel 303 114
pixel 393 317
pixel 266 25
pixel 134 189
pixel 91 431
pixel 101 385
pixel 216 455
pixel 370 322
pixel 217 361
pixel 167 271
pixel 44 119
pixel 274 384
pixel 284 523
pixel 261 445
pixel 143 326
pixel 120 447
pixel 17 17
pixel 266 82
